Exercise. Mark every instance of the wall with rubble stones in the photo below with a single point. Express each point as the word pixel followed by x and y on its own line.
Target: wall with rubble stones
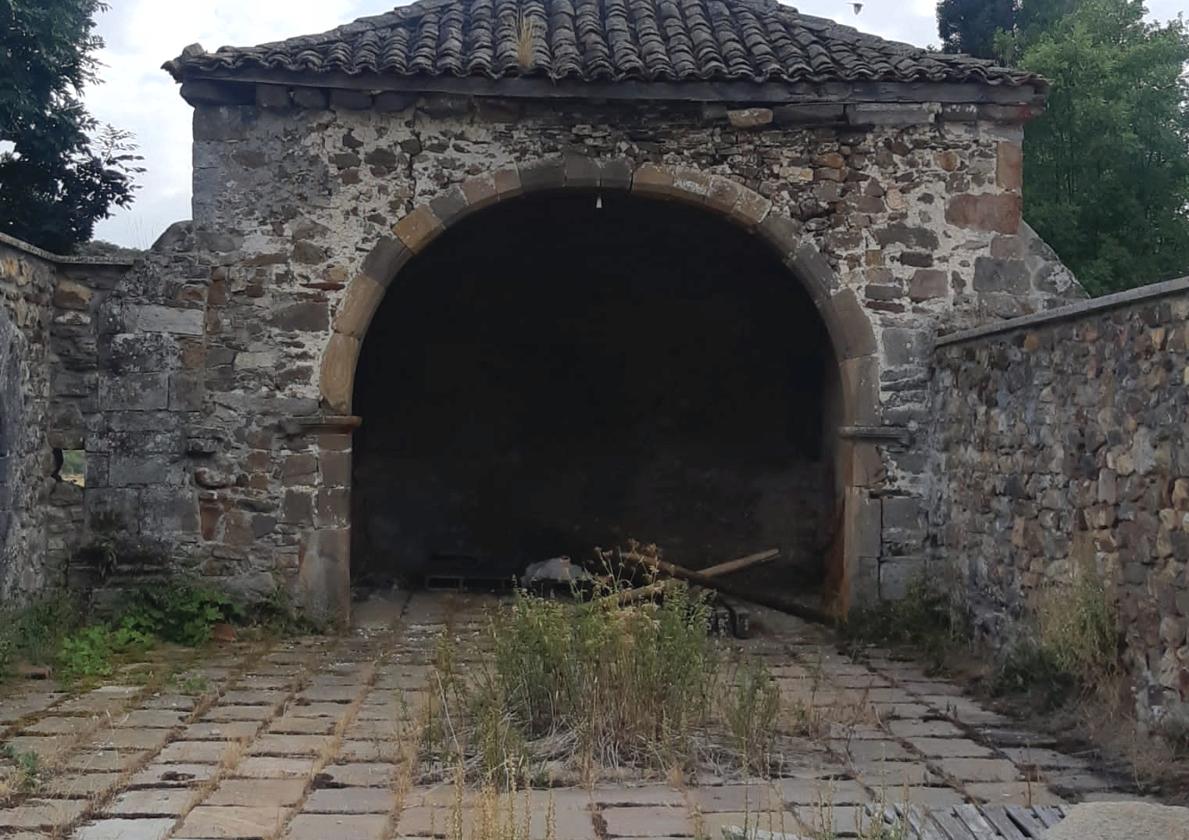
pixel 48 381
pixel 1063 444
pixel 216 342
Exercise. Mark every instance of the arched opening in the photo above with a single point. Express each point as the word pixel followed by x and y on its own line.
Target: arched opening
pixel 573 368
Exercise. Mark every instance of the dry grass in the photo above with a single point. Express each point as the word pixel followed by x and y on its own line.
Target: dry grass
pixel 588 687
pixel 528 34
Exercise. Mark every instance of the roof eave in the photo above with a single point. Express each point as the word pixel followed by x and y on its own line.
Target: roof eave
pixel 238 86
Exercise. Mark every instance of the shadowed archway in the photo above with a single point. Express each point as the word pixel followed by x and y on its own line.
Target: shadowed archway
pixel 810 344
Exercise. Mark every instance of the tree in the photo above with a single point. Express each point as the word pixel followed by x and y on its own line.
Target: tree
pixel 1107 181
pixel 971 26
pixel 996 29
pixel 60 172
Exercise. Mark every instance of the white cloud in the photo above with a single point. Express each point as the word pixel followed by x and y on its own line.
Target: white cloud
pixel 139 96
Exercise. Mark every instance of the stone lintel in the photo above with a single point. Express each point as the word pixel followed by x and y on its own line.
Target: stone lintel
pixel 880 434
pixel 333 423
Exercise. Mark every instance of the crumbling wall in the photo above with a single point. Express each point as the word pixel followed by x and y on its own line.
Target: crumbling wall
pixel 217 341
pixel 47 389
pixel 1063 442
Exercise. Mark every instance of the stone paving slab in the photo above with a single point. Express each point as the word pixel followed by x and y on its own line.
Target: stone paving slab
pixel 224 822
pixel 123 829
pixel 42 813
pixel 311 738
pixel 152 802
pixel 338 827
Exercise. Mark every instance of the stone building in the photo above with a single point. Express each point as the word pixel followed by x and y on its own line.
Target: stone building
pixel 498 281
pixel 478 282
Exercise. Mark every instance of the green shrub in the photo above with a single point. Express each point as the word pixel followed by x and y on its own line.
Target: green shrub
pixel 34 633
pixel 183 613
pixel 90 651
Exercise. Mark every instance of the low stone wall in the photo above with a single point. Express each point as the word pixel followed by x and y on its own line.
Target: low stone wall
pixel 1063 439
pixel 48 386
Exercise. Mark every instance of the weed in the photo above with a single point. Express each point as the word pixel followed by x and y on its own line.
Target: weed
pixel 179 612
pixel 1072 645
pixel 925 618
pixel 27 768
pixel 34 632
pixel 589 681
pixel 750 708
pixel 90 652
pixel 191 683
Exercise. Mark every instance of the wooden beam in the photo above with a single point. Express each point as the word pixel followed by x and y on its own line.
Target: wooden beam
pixel 732 566
pixel 776 602
pixel 741 92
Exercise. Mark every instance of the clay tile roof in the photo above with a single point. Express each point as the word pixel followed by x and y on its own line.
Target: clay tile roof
pixel 602 40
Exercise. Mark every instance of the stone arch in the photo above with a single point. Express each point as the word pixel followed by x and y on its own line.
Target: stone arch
pixel 848 326
pixel 846 323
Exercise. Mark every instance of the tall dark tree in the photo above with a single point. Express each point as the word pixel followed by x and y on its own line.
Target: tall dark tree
pixel 973 26
pixel 1107 180
pixel 60 172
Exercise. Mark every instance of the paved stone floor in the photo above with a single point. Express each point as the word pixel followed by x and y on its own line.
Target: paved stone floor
pixel 308 739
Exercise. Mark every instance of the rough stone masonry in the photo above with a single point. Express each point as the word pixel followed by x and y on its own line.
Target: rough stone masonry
pixel 1063 449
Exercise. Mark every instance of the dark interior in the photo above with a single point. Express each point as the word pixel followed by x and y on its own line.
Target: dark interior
pixel 572 369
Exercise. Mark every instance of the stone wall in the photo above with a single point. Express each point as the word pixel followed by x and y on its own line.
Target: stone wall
pixel 211 388
pixel 1063 443
pixel 47 389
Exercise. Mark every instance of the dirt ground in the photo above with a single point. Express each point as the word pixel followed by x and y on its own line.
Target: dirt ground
pixel 309 739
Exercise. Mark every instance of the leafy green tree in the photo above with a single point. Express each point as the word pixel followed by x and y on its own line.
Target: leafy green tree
pixel 972 26
pixel 60 172
pixel 1107 181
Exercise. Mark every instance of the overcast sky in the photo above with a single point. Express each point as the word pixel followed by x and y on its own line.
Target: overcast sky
pixel 141 34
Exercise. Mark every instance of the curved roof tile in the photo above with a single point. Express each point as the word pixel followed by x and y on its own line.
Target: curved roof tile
pixel 603 40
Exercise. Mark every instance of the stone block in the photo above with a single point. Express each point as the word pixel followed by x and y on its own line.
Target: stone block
pixel 311 99
pixel 222 122
pixel 480 192
pixel 1009 168
pixel 134 391
pixel 386 258
pixel 186 391
pixel 337 378
pixel 892 115
pixel 581 171
pixel 324 573
pixel 651 180
pixel 273 97
pixel 992 275
pixel 928 284
pixel 332 508
pixel 166 319
pixel 450 205
pixel 995 212
pixel 823 114
pixel 359 304
pixel 350 100
pixel 507 182
pixel 542 174
pixel 418 228
pixel 905 346
pixel 897 576
pixel 850 326
pixel 749 118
